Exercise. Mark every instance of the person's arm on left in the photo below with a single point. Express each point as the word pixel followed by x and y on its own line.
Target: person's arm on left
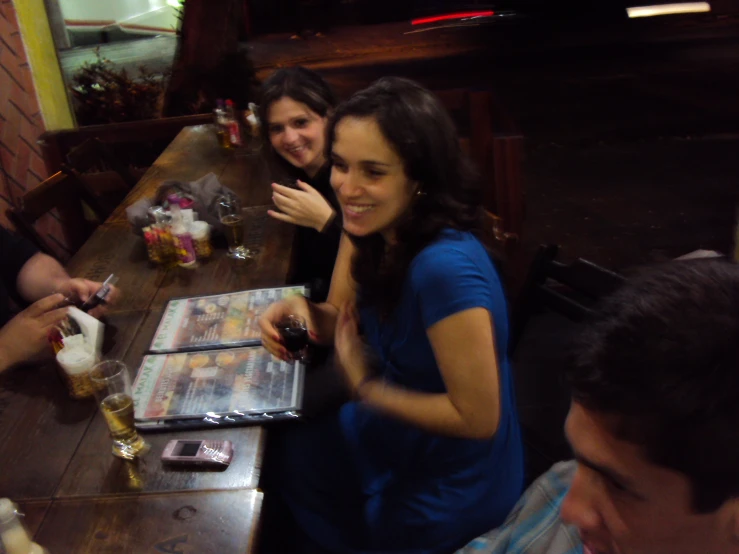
pixel 465 353
pixel 42 276
pixel 26 334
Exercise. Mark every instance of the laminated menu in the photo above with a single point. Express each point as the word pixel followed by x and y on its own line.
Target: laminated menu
pixel 215 321
pixel 217 386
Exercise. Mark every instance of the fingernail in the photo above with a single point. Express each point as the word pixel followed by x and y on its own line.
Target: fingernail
pixel 312 335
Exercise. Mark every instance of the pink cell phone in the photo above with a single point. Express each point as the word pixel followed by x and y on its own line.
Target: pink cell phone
pixel 198 452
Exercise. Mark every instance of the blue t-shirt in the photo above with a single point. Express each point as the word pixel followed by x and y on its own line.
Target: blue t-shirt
pixel 446 488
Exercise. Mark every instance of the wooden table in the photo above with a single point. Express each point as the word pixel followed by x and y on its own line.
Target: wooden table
pixel 55 452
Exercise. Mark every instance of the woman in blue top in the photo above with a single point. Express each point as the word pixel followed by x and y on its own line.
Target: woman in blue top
pixel 428 454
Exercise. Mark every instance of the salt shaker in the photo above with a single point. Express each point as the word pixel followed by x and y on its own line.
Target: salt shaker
pixel 13 534
pixel 200 231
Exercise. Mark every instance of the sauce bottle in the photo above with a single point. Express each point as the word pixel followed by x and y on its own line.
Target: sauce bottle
pixel 184 246
pixel 232 124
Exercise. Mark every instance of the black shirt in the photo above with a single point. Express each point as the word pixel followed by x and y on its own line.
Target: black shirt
pixel 15 251
pixel 314 253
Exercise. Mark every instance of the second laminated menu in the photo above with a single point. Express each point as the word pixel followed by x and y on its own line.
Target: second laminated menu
pixel 215 321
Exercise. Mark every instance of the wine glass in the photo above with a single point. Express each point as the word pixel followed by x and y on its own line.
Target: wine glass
pixel 294 333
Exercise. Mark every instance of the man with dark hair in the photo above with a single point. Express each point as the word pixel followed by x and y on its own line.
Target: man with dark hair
pixel 654 425
pixel 30 277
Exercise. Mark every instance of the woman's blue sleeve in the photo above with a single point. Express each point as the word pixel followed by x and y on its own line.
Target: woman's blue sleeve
pixel 448 280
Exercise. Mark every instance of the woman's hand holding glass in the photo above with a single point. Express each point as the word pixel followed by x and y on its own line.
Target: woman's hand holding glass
pixel 304 206
pixel 277 312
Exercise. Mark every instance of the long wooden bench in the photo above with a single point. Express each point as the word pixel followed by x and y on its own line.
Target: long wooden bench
pixel 137 143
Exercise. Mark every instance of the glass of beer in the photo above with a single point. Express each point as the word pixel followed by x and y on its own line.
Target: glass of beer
pixel 112 387
pixel 231 215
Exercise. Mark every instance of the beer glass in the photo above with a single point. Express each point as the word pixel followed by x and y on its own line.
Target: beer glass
pixel 112 387
pixel 231 215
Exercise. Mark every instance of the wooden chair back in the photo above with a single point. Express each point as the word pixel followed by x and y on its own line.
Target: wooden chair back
pixel 568 289
pixel 104 179
pixel 136 143
pixel 489 137
pixel 59 191
pixel 495 238
pixel 66 194
pixel 93 154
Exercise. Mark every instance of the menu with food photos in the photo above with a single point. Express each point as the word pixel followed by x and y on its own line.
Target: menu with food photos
pixel 216 386
pixel 215 321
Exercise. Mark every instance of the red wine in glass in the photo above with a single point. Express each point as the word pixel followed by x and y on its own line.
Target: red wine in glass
pixel 294 335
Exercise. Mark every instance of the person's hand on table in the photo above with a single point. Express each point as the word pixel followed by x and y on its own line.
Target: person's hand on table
pixel 271 339
pixel 350 350
pixel 82 289
pixel 26 335
pixel 305 207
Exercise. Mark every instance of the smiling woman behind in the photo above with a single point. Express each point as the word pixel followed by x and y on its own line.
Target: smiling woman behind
pixel 295 106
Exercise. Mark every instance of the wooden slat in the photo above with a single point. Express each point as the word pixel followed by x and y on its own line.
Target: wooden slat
pixel 509 194
pixel 225 522
pixel 586 278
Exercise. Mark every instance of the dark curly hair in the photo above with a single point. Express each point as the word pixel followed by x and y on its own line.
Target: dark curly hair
pixel 300 84
pixel 421 132
pixel 662 356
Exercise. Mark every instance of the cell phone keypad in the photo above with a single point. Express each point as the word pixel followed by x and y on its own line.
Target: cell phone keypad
pixel 214 450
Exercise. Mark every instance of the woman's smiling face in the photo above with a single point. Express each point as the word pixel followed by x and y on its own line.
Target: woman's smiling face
pixel 297 133
pixel 369 179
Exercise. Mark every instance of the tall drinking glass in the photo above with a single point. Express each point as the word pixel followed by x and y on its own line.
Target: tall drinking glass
pixel 231 215
pixel 112 387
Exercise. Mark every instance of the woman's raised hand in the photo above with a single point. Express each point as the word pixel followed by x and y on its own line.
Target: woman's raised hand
pixel 304 206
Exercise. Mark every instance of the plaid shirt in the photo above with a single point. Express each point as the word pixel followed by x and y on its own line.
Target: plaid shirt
pixel 533 526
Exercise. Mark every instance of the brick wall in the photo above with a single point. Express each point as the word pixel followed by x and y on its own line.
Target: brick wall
pixel 22 166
